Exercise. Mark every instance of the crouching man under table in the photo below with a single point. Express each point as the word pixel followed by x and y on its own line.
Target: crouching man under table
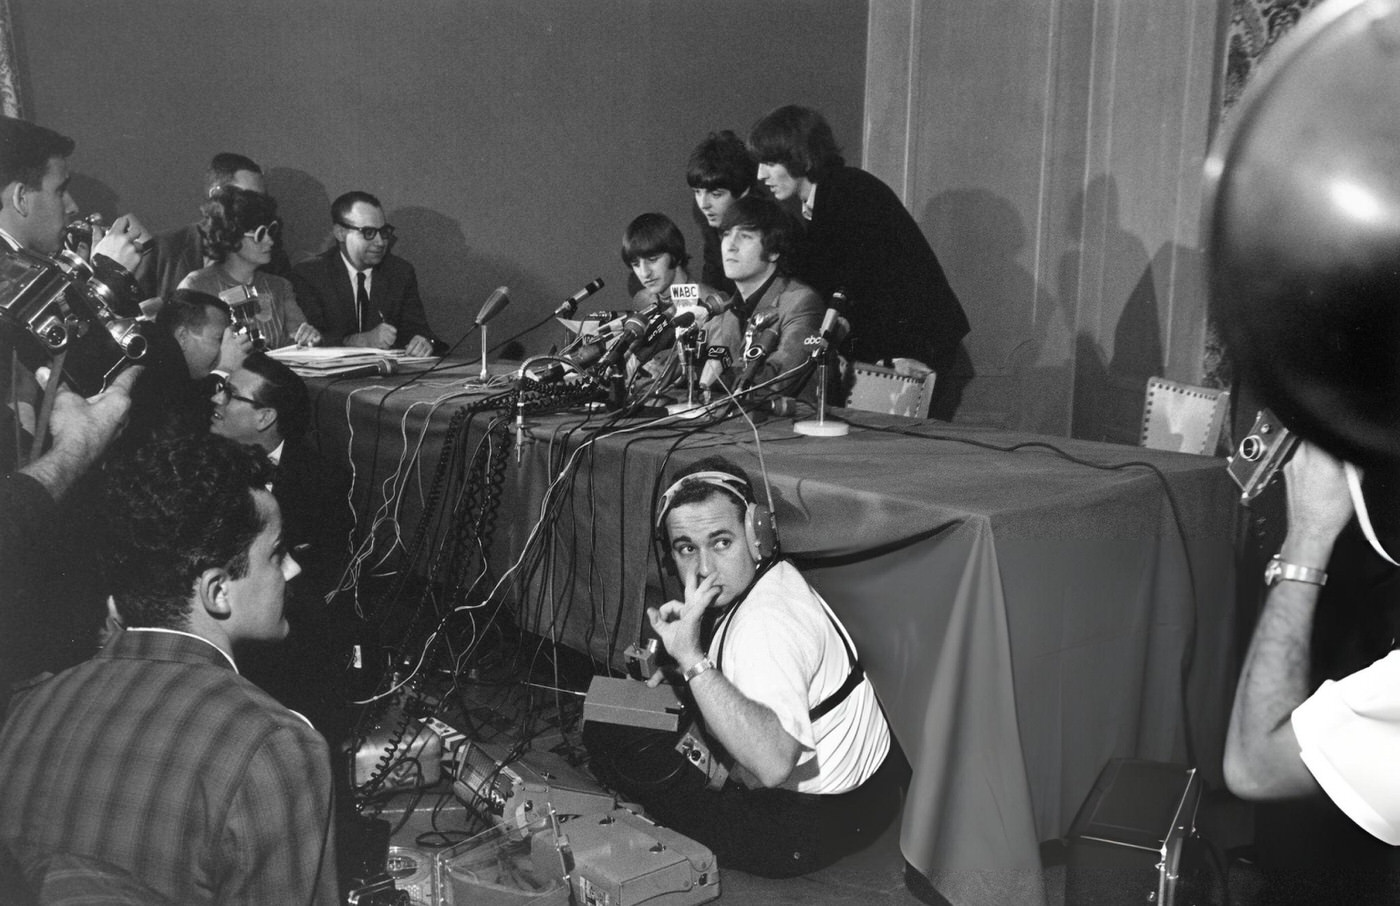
pixel 777 685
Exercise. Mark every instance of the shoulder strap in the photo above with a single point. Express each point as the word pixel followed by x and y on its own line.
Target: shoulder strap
pixel 853 678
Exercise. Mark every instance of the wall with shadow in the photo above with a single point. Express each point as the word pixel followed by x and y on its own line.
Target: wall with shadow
pixel 1020 347
pixel 1118 341
pixel 513 141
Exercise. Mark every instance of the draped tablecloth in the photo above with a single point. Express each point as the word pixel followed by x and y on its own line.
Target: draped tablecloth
pixel 1025 614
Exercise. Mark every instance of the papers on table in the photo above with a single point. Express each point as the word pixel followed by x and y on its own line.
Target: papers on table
pixel 326 361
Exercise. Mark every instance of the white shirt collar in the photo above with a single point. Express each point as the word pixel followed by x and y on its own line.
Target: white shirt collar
pixel 189 635
pixel 350 269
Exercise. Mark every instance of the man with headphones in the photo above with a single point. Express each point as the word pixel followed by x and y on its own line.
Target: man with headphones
pixel 776 684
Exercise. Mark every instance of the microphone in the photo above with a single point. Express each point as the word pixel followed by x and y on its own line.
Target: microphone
pixel 764 341
pixel 715 305
pixel 660 338
pixel 494 303
pixel 634 326
pixel 833 330
pixel 570 305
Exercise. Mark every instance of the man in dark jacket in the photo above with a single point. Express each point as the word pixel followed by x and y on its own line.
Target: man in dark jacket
pixel 358 293
pixel 862 241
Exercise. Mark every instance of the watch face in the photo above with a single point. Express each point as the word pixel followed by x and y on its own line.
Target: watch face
pixel 1272 572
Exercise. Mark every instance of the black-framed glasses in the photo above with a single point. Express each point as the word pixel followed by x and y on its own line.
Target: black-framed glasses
pixel 223 388
pixel 258 234
pixel 370 233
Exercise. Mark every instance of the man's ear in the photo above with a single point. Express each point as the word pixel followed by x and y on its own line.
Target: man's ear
pixel 17 194
pixel 211 587
pixel 267 417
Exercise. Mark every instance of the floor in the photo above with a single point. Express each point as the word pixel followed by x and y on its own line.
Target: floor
pixel 525 694
pixel 497 705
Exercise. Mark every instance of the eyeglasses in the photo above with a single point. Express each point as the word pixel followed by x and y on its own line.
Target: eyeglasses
pixel 223 388
pixel 273 229
pixel 370 233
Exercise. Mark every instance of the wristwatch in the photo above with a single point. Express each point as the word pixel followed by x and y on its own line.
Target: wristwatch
pixel 1279 570
pixel 697 668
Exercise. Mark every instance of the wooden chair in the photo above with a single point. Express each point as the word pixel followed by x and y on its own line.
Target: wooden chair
pixel 1182 417
pixel 879 389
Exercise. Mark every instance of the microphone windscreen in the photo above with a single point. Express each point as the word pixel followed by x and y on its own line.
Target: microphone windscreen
pixel 497 301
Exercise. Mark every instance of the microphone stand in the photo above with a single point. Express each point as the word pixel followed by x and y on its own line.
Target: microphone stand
pixel 690 343
pixel 821 426
pixel 485 375
pixel 522 431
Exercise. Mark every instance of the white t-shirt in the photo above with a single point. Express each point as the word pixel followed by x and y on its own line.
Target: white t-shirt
pixel 782 651
pixel 1349 734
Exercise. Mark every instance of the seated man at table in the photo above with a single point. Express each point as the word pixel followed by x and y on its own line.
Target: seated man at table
pixel 777 683
pixel 654 249
pixel 359 293
pixel 756 242
pixel 154 767
pixel 266 405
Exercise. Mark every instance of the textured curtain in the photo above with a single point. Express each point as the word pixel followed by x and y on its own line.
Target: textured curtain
pixel 1255 26
pixel 9 67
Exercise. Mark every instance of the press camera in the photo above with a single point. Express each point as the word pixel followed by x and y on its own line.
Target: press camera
pixel 62 305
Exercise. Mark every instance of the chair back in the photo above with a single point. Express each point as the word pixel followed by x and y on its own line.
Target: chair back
pixel 879 389
pixel 1183 417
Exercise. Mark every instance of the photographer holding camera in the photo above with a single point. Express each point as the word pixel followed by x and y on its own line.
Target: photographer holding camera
pixel 35 210
pixel 1303 250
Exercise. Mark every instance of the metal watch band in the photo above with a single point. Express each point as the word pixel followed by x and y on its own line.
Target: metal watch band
pixel 1280 570
pixel 697 668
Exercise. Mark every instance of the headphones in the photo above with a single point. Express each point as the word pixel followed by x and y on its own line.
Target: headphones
pixel 759 530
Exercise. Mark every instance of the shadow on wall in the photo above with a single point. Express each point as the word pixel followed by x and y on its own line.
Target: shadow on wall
pixel 1109 282
pixel 455 280
pixel 1020 334
pixel 305 209
pixel 93 196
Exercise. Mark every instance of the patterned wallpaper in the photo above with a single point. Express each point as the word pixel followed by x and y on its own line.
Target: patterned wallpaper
pixel 10 103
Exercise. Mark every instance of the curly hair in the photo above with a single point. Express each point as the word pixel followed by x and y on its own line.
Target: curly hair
pixel 228 214
pixel 170 510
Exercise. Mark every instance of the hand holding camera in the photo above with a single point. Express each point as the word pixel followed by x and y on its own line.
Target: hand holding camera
pixel 124 242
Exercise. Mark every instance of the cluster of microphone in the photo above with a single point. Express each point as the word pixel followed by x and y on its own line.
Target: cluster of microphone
pixel 644 334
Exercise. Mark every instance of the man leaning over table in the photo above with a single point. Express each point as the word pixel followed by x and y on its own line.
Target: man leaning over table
pixel 359 293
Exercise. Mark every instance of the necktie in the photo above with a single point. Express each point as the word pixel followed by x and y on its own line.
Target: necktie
pixel 361 298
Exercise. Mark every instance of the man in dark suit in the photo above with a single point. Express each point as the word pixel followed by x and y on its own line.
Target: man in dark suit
pixel 861 240
pixel 265 404
pixel 358 293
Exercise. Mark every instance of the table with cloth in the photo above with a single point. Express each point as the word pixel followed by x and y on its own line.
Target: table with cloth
pixel 1024 615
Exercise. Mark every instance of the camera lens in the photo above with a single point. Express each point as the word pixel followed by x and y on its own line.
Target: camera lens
pixel 1251 448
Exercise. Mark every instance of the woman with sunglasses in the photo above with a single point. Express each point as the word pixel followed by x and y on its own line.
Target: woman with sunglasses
pixel 240 228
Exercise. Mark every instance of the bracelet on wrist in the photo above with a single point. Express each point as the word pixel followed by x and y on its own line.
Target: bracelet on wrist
pixel 697 668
